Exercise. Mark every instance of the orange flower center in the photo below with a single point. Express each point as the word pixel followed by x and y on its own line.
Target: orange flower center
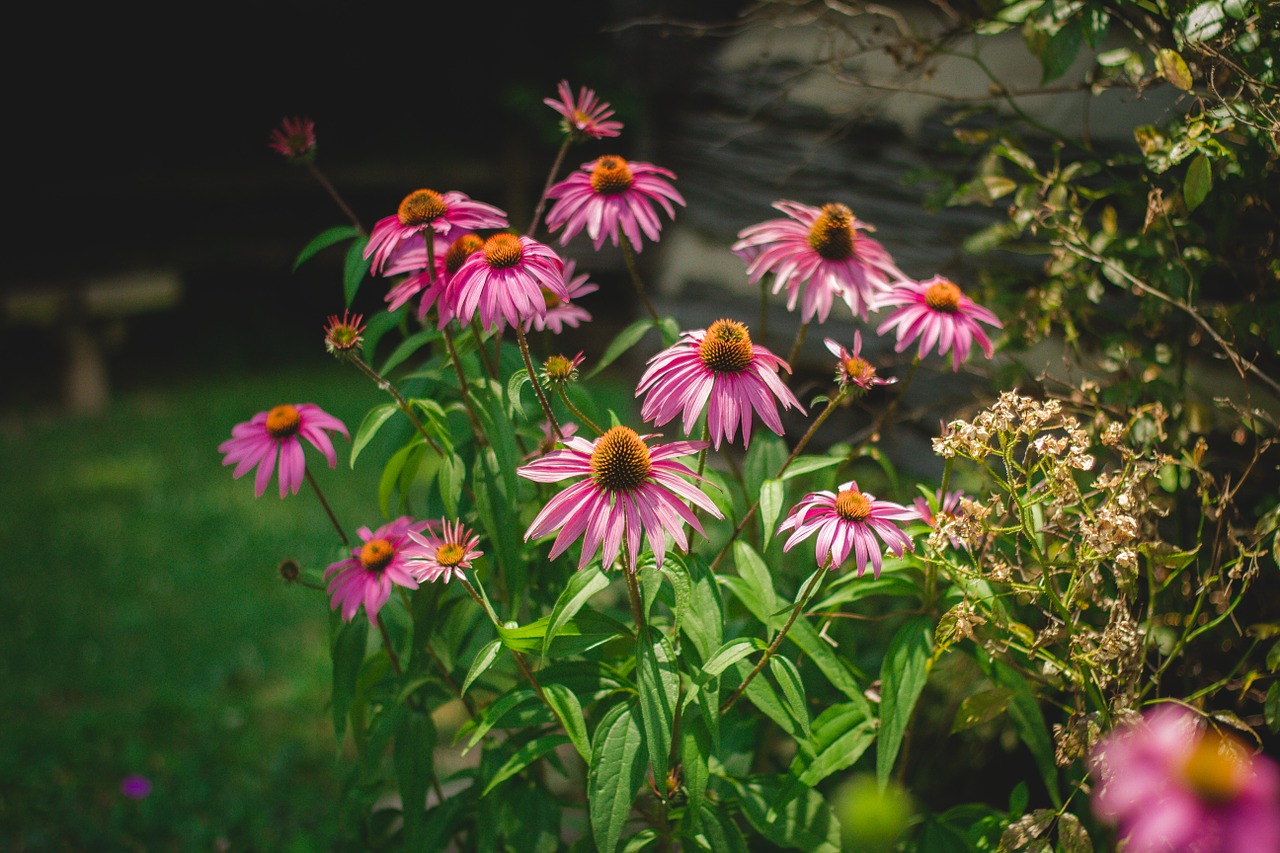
pixel 832 234
pixel 726 347
pixel 502 251
pixel 450 554
pixel 376 555
pixel 1215 769
pixel 620 461
pixel 611 175
pixel 858 369
pixel 421 207
pixel 461 249
pixel 943 296
pixel 580 118
pixel 283 421
pixel 852 505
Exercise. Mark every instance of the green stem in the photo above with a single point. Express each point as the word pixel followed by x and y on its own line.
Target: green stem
pixel 764 309
pixel 633 589
pixel 537 387
pixel 519 658
pixel 478 334
pixel 810 588
pixel 799 342
pixel 315 487
pixel 800 446
pixel 551 179
pixel 401 402
pixel 462 387
pixel 333 194
pixel 628 256
pixel 873 433
pixel 577 413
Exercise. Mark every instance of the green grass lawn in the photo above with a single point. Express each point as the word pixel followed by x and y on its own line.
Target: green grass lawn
pixel 147 630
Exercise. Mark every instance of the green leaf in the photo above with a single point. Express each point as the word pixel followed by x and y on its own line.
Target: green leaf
pixel 568 710
pixel 347 647
pixel 1028 720
pixel 658 685
pixel 808 464
pixel 483 661
pixel 902 678
pixel 677 573
pixel 763 460
pixel 720 833
pixel 524 756
pixel 697 744
pixel 407 348
pixel 1273 658
pixel 415 767
pixel 496 710
pixel 585 631
pixel 1072 835
pixel 1060 52
pixel 1204 21
pixel 841 734
pixel 755 573
pixel 981 707
pixel 369 427
pixel 617 770
pixel 789 815
pixel 324 240
pixel 577 592
pixel 788 678
pixel 730 653
pixel 1198 182
pixel 452 474
pixel 404 459
pixel 1271 708
pixel 1174 68
pixel 772 493
pixel 704 622
pixel 625 340
pixel 517 381
pixel 767 700
pixel 354 270
pixel 669 329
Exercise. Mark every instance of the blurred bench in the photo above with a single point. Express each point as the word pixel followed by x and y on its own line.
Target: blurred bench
pixel 88 315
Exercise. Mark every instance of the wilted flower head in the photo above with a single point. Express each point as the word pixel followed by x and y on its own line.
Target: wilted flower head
pixel 257 442
pixel 609 195
pixel 822 249
pixel 585 117
pixel 720 369
pixel 295 138
pixel 1169 783
pixel 936 312
pixel 445 556
pixel 852 370
pixel 427 211
pixel 367 576
pixel 561 370
pixel 629 488
pixel 343 335
pixel 848 520
pixel 505 281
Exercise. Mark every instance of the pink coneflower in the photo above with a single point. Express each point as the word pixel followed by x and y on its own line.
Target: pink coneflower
pixel 563 312
pixel 937 312
pixel 848 520
pixel 344 335
pixel 427 210
pixel 444 556
pixel 560 370
pixel 821 247
pixel 720 369
pixel 630 487
pixel 585 117
pixel 948 507
pixel 852 370
pixel 548 440
pixel 1171 784
pixel 505 281
pixel 610 193
pixel 366 577
pixel 433 285
pixel 257 442
pixel 295 138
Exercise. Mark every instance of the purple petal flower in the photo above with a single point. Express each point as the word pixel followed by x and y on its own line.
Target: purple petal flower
pixel 257 443
pixel 366 577
pixel 938 313
pixel 609 195
pixel 847 521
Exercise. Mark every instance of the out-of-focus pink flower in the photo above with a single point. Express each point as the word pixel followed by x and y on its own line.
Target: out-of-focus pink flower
pixel 445 556
pixel 948 506
pixel 848 520
pixel 563 312
pixel 505 281
pixel 367 576
pixel 428 211
pixel 433 285
pixel 822 249
pixel 295 138
pixel 936 312
pixel 610 194
pixel 629 488
pixel 720 369
pixel 258 441
pixel 1171 784
pixel 852 370
pixel 135 786
pixel 585 117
